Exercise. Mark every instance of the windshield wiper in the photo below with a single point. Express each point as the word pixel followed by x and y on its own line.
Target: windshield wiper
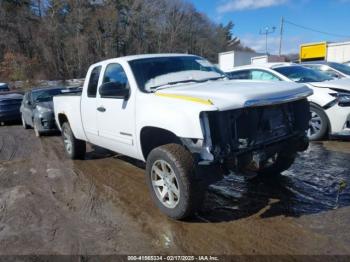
pixel 162 86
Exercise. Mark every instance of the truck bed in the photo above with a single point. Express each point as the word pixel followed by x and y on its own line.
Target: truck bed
pixel 69 102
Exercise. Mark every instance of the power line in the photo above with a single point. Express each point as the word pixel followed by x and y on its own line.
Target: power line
pixel 315 30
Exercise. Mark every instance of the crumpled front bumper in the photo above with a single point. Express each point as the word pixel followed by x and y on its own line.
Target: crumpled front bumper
pixel 339 119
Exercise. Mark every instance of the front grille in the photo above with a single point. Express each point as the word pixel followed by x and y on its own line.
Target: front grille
pixel 243 129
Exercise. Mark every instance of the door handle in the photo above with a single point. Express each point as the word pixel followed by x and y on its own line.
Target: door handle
pixel 101 109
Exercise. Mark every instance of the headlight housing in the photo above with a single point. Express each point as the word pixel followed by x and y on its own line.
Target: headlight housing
pixel 343 99
pixel 43 109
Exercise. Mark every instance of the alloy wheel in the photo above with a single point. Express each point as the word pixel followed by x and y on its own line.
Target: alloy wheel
pixel 315 124
pixel 165 183
pixel 67 141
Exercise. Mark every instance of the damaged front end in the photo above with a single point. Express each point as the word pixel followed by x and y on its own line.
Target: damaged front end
pixel 247 138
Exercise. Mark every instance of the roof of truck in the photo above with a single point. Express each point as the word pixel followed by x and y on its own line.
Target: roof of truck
pixel 142 56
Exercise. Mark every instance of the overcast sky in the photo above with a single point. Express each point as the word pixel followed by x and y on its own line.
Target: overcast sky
pixel 251 16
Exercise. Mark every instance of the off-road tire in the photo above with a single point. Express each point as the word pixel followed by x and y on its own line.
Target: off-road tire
pixel 324 123
pixel 78 147
pixel 282 163
pixel 183 165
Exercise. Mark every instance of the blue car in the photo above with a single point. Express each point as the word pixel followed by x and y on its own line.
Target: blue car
pixel 9 107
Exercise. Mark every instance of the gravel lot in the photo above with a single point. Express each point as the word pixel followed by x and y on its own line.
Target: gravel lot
pixel 101 205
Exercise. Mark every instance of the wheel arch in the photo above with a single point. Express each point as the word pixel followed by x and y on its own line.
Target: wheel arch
pixel 62 118
pixel 329 126
pixel 152 137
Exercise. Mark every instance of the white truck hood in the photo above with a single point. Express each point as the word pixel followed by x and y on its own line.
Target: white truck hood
pixel 341 84
pixel 233 94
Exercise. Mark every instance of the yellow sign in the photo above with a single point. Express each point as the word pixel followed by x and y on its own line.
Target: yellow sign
pixel 313 51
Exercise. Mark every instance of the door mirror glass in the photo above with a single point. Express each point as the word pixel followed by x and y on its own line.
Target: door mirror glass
pixel 114 90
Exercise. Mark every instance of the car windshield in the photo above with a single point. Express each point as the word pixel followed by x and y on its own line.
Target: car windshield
pixel 4 87
pixel 45 95
pixel 302 74
pixel 161 72
pixel 340 67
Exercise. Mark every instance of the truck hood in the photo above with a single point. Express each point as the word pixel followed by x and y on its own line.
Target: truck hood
pixel 233 94
pixel 339 84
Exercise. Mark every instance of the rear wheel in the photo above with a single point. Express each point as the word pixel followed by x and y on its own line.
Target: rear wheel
pixel 75 148
pixel 318 125
pixel 171 179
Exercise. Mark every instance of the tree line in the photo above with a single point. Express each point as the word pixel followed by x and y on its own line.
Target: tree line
pixel 59 39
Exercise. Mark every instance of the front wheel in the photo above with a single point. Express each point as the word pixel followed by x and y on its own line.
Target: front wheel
pixel 75 148
pixel 318 125
pixel 171 179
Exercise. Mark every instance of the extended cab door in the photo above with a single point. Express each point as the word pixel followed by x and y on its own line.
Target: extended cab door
pixel 88 104
pixel 116 115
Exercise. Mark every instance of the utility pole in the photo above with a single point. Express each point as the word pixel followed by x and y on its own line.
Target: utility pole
pixel 281 36
pixel 266 32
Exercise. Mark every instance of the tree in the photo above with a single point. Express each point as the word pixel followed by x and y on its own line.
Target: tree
pixel 63 37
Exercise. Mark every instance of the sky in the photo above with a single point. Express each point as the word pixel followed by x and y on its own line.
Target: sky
pixel 252 16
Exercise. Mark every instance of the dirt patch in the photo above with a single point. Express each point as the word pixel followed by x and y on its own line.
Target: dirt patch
pixel 101 205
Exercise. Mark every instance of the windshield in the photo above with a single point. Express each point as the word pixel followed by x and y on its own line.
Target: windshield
pixel 302 74
pixel 45 95
pixel 153 73
pixel 340 67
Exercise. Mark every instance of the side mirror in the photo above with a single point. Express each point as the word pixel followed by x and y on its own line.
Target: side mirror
pixel 114 90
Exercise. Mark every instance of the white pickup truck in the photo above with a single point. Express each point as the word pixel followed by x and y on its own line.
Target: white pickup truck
pixel 176 112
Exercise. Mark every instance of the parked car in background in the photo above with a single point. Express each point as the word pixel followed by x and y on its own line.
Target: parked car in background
pixel 9 107
pixel 334 70
pixel 330 103
pixel 37 109
pixel 176 112
pixel 4 87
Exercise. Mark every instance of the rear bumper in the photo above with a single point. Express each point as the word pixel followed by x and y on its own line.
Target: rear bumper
pixel 10 116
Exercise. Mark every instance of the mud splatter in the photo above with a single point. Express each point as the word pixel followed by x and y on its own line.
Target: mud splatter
pixel 101 205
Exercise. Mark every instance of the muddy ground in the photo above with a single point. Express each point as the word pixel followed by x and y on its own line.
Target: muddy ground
pixel 101 205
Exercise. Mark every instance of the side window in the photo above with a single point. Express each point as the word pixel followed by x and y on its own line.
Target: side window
pixel 263 76
pixel 116 74
pixel 244 74
pixel 325 69
pixel 93 81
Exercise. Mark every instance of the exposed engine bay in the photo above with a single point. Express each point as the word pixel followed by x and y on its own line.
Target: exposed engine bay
pixel 250 136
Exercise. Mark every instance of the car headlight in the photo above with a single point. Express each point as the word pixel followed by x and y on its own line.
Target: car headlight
pixel 342 98
pixel 43 109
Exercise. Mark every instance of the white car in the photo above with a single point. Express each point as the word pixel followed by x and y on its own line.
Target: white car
pixel 334 70
pixel 329 105
pixel 176 112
